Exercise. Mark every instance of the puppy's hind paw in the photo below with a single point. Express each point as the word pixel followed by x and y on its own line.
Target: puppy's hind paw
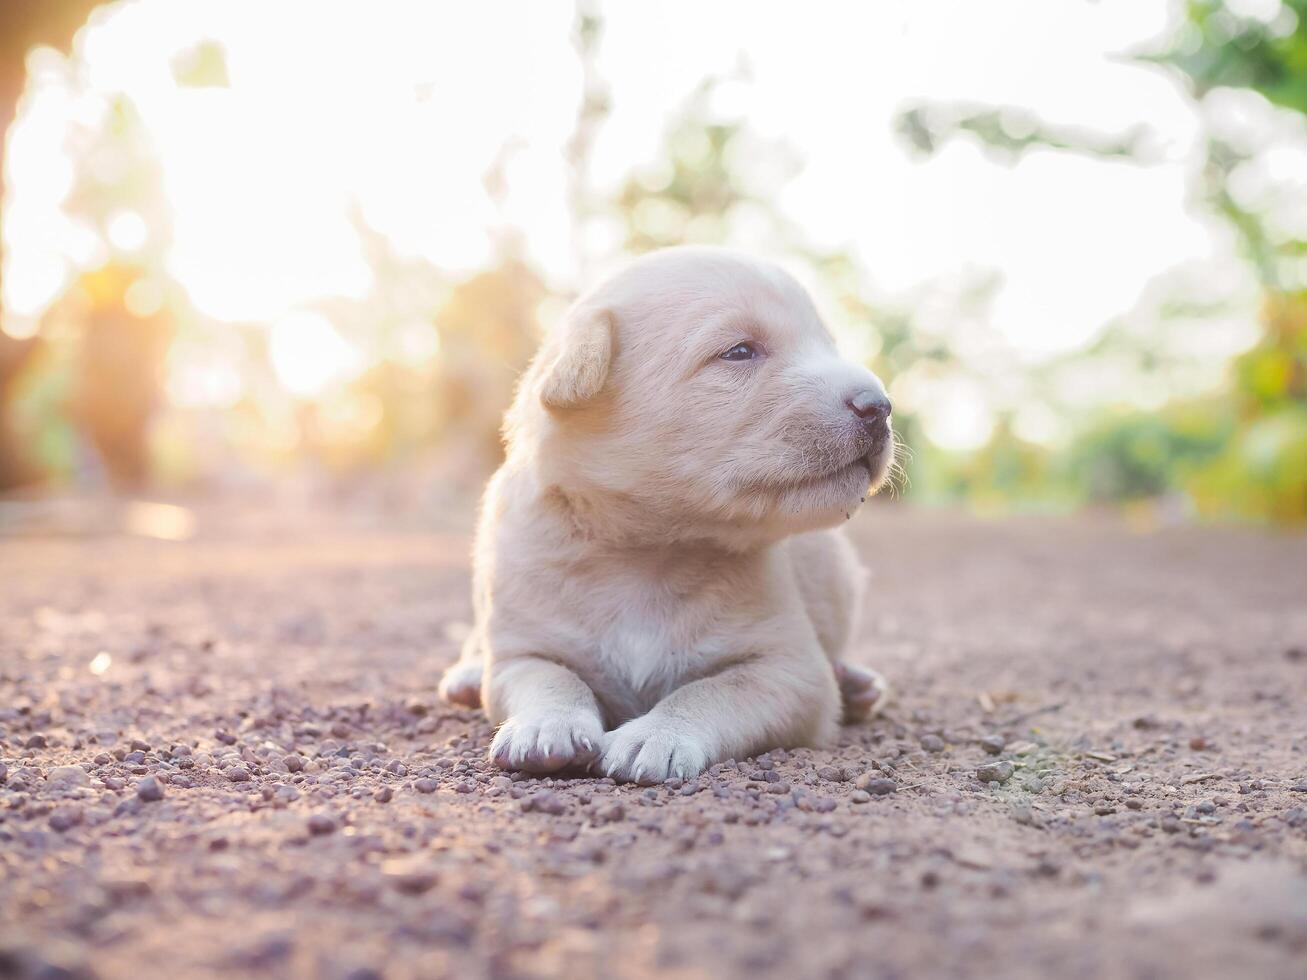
pixel 462 684
pixel 546 744
pixel 647 752
pixel 864 692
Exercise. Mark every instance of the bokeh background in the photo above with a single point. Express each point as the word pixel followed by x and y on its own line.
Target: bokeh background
pixel 302 249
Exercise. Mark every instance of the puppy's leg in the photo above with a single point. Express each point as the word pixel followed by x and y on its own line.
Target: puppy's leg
pixel 831 581
pixel 549 717
pixel 767 701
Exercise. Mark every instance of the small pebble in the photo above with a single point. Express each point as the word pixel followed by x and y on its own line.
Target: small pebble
pixel 293 762
pixel 545 802
pixel 425 785
pixel 876 785
pixel 995 772
pixel 238 774
pixel 320 823
pixel 149 790
pixel 68 775
pixel 932 743
pixel 37 741
pixel 860 796
pixel 65 818
pixel 993 744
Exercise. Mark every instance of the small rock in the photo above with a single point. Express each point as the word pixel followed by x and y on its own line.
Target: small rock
pixel 993 744
pixel 4 773
pixel 238 774
pixel 425 785
pixel 876 785
pixel 37 741
pixel 1198 743
pixel 1024 814
pixel 65 818
pixel 545 802
pixel 225 737
pixel 384 795
pixel 68 775
pixel 149 790
pixel 1134 803
pixel 320 824
pixel 293 762
pixel 995 772
pixel 1104 809
pixel 408 876
pixel 932 743
pixel 860 796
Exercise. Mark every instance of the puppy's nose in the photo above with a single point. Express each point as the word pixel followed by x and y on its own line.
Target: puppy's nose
pixel 870 405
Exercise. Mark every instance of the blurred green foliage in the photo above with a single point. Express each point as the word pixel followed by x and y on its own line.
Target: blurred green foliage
pixel 1240 452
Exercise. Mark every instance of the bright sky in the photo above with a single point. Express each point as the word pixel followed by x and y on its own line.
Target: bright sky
pixel 401 108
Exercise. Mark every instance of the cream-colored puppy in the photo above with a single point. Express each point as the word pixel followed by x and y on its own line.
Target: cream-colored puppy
pixel 655 587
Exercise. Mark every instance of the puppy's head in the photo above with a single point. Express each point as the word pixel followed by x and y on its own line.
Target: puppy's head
pixel 700 388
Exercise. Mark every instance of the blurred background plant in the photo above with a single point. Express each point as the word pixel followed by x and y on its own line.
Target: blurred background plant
pixel 311 245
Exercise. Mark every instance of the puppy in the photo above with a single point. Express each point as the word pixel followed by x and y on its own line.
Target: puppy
pixel 656 584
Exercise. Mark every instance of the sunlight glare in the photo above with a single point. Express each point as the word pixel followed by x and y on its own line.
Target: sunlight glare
pixel 309 354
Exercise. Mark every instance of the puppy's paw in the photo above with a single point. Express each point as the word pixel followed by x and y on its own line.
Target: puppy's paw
pixel 648 750
pixel 462 684
pixel 547 743
pixel 864 691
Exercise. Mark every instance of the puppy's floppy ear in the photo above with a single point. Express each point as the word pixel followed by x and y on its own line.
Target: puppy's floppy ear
pixel 577 358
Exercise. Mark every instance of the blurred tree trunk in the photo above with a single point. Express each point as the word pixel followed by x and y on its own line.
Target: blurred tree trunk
pixel 23 25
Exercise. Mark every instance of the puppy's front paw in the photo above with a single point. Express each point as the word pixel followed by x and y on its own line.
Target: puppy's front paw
pixel 462 684
pixel 648 750
pixel 546 743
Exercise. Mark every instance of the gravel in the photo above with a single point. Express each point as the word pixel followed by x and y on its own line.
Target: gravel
pixel 302 663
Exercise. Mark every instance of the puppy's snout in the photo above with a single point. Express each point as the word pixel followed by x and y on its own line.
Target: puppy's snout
pixel 871 405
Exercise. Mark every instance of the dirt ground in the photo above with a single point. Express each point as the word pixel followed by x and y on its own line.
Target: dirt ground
pixel 224 757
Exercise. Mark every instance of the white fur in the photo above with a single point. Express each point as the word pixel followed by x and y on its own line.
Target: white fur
pixel 653 589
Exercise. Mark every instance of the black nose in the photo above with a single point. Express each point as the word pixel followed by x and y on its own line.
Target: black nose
pixel 870 405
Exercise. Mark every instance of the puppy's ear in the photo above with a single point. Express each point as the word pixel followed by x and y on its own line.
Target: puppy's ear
pixel 577 358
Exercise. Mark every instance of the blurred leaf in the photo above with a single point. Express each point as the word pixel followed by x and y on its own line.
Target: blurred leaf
pixel 202 66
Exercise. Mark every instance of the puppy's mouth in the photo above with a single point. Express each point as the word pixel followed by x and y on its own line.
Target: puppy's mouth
pixel 866 467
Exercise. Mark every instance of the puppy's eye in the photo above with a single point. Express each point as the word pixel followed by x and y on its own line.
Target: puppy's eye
pixel 740 352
